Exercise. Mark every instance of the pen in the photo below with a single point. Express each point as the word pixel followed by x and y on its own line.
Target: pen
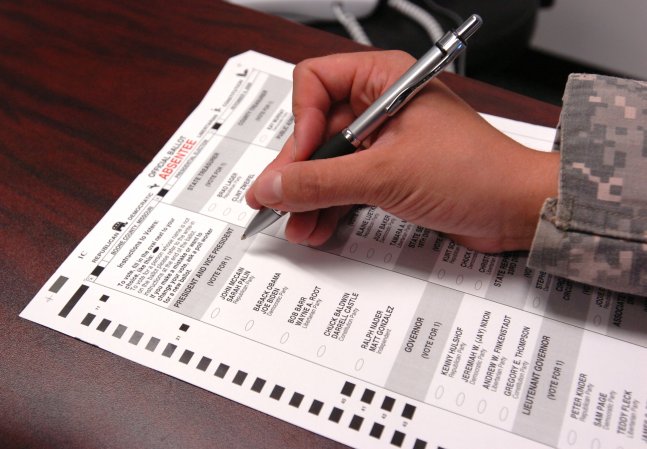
pixel 414 79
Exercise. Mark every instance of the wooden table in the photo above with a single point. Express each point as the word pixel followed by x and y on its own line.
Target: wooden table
pixel 90 90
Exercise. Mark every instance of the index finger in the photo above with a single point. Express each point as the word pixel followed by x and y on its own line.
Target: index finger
pixel 319 83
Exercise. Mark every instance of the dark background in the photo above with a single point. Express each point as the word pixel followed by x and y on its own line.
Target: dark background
pixel 497 54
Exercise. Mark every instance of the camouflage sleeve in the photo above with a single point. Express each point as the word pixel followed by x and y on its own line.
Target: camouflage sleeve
pixel 596 230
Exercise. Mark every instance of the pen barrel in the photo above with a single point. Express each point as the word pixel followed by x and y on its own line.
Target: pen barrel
pixel 336 146
pixel 414 79
pixel 399 93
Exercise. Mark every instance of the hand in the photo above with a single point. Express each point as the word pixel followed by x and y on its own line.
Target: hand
pixel 437 163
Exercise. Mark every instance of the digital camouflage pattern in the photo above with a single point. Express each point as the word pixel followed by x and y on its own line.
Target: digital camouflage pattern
pixel 596 231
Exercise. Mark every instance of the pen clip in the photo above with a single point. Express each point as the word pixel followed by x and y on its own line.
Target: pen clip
pixel 448 48
pixel 442 53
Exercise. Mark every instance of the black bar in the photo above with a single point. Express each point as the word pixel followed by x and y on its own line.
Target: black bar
pixel 240 377
pixel 335 414
pixel 204 363
pixel 388 403
pixel 58 283
pixel 65 311
pixel 88 319
pixel 103 325
pixel 258 385
pixel 368 396
pixel 169 350
pixel 119 332
pixel 376 430
pixel 134 339
pixel 277 392
pixel 186 356
pixel 420 444
pixel 152 344
pixel 408 411
pixel 296 399
pixel 348 388
pixel 356 422
pixel 221 371
pixel 397 439
pixel 316 407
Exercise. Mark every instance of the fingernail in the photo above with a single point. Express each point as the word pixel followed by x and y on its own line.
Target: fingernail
pixel 269 188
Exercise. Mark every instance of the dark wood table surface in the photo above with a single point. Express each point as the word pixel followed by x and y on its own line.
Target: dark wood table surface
pixel 90 90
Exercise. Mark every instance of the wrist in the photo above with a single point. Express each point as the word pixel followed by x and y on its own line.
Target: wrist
pixel 536 178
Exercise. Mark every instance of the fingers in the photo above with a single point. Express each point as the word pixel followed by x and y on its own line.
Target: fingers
pixel 340 117
pixel 357 79
pixel 328 94
pixel 301 225
pixel 313 228
pixel 437 164
pixel 310 185
pixel 285 156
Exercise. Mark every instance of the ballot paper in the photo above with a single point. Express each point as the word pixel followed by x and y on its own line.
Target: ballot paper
pixel 388 336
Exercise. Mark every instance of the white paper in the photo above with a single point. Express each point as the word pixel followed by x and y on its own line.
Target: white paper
pixel 388 336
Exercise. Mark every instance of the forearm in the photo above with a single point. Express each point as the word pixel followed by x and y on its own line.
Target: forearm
pixel 595 231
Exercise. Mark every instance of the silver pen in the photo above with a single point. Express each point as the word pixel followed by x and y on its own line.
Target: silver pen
pixel 414 79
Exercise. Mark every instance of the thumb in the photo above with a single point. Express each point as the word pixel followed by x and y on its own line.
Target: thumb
pixel 318 184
